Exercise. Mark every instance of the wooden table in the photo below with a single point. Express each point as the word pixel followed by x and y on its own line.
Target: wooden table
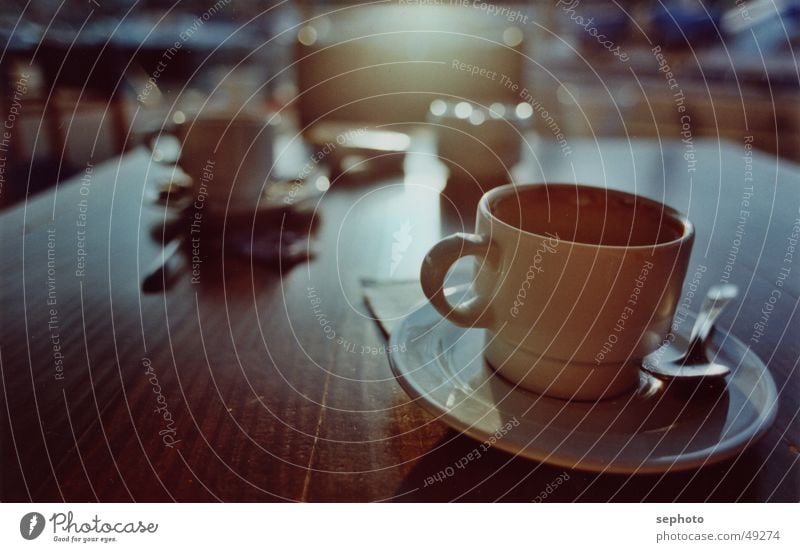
pixel 230 389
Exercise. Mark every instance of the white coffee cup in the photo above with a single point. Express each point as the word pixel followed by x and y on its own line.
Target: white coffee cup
pixel 575 284
pixel 229 157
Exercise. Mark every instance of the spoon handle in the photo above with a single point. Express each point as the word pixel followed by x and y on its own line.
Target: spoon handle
pixel 717 298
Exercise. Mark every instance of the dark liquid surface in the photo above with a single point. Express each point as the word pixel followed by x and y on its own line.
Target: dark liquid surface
pixel 589 215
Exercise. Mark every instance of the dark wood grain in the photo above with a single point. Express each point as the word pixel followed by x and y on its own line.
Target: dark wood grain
pixel 264 406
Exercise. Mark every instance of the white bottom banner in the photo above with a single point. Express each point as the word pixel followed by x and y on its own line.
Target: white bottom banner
pixel 371 527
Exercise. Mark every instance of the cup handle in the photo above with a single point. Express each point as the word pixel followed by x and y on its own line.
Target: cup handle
pixel 473 312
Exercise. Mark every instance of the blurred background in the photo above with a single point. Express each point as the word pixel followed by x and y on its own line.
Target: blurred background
pixel 97 77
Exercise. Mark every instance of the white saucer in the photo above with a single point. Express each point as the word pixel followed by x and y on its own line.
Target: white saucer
pixel 654 429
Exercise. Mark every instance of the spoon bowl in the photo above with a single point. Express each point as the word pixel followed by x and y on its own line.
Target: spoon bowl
pixel 694 363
